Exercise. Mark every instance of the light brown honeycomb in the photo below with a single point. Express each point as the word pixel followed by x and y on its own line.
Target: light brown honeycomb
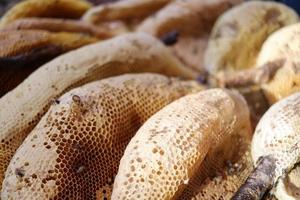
pixel 284 45
pixel 57 25
pixel 24 51
pixel 239 33
pixel 118 17
pixel 123 11
pixel 74 151
pixel 22 43
pixel 228 180
pixel 45 8
pixel 169 156
pixel 22 108
pixel 193 21
pixel 277 134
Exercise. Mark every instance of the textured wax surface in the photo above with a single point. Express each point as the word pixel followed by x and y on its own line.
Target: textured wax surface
pixel 122 16
pixel 23 107
pixel 289 186
pixel 6 4
pixel 167 156
pixel 25 50
pixel 283 45
pixel 193 20
pixel 16 43
pixel 227 182
pixel 277 134
pixel 57 25
pixel 239 33
pixel 74 151
pixel 123 10
pixel 45 8
pixel 25 42
pixel 184 16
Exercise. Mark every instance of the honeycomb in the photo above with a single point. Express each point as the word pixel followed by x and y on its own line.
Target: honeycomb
pixel 166 158
pixel 24 51
pixel 282 45
pixel 57 25
pixel 45 8
pixel 227 181
pixel 117 17
pixel 22 108
pixel 123 10
pixel 22 43
pixel 288 186
pixel 74 151
pixel 238 34
pixel 183 17
pixel 15 43
pixel 277 134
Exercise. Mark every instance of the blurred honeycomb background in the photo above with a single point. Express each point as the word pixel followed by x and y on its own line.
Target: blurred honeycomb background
pixel 6 4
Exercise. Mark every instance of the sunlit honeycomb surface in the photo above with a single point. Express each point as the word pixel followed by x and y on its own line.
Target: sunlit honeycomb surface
pixel 164 160
pixel 74 151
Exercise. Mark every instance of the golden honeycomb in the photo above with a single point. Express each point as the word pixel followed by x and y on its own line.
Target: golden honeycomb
pixel 74 151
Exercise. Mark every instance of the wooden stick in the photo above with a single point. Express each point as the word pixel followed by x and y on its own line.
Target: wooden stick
pixel 250 76
pixel 258 182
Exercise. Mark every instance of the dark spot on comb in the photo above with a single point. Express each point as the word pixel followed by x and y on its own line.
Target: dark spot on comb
pixel 76 98
pixel 80 169
pixel 54 87
pixel 202 79
pixel 170 38
pixel 110 181
pixel 76 146
pixel 295 67
pixel 55 101
pixel 230 28
pixel 20 172
pixel 272 15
